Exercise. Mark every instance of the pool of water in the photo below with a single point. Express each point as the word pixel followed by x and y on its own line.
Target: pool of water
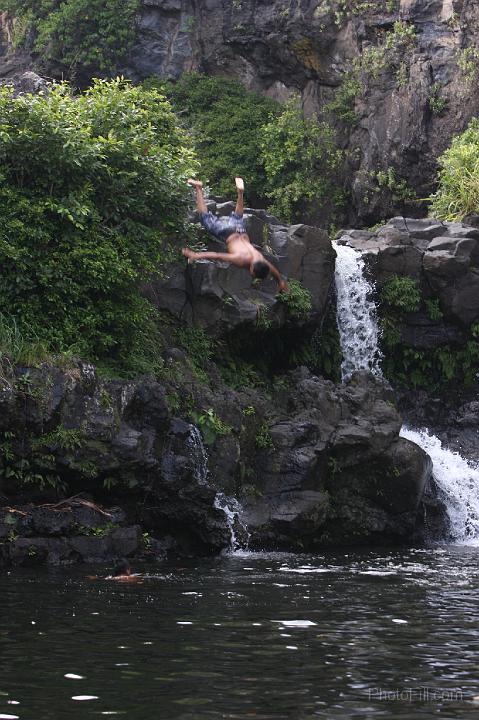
pixel 386 634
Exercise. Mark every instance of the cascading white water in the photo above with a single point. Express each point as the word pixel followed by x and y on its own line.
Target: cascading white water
pixel 356 314
pixel 458 483
pixel 229 506
pixel 456 478
pixel 232 510
pixel 197 450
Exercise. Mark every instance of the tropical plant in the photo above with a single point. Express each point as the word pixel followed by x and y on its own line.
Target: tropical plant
pixel 92 189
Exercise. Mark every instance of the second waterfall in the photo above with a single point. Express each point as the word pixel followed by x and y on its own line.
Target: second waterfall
pixel 457 479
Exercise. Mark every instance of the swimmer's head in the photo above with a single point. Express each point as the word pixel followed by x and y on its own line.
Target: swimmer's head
pixel 123 568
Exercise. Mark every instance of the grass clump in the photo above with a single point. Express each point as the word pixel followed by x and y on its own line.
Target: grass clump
pixel 458 191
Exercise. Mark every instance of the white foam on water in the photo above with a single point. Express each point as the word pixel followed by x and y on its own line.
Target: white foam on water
pixel 295 623
pixel 458 482
pixel 72 676
pixel 84 697
pixel 356 314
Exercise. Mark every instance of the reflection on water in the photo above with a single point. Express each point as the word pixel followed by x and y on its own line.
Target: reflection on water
pixel 389 634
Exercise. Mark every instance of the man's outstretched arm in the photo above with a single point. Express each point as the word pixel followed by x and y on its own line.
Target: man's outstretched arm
pixel 223 257
pixel 240 201
pixel 282 284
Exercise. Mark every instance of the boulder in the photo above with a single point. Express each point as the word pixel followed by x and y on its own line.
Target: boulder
pixel 339 472
pixel 220 297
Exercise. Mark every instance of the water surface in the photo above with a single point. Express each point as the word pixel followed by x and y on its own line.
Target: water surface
pixel 389 634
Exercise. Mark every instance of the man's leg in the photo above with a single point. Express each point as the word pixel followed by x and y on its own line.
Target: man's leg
pixel 239 203
pixel 200 200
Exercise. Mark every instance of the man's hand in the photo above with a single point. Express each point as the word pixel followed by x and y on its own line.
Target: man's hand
pixel 190 254
pixel 195 183
pixel 283 286
pixel 239 184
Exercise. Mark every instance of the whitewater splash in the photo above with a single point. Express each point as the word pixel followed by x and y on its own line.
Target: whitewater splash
pixel 356 314
pixel 458 483
pixel 233 510
pixel 457 479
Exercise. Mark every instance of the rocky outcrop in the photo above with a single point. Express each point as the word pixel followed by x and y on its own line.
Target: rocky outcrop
pixel 413 93
pixel 409 87
pixel 339 473
pixel 219 297
pixel 313 466
pixel 443 259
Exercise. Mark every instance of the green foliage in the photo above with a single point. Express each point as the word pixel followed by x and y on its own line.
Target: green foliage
pixel 301 160
pixel 458 191
pixel 468 62
pixel 263 439
pixel 435 368
pixel 344 9
pixel 342 106
pixel 298 301
pixel 199 348
pixel 434 309
pixel 62 438
pixel 15 349
pixel 225 120
pixel 401 293
pixel 386 180
pixel 437 102
pixel 91 191
pixel 77 37
pixel 321 353
pixel 211 425
pixel 21 465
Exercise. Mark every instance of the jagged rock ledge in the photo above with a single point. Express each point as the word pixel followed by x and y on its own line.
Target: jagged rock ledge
pixel 77 448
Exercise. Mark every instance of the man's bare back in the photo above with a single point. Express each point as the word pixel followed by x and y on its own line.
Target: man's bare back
pixel 240 251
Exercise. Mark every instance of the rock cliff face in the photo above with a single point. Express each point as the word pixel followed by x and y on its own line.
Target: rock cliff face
pixel 315 466
pixel 413 93
pixel 408 71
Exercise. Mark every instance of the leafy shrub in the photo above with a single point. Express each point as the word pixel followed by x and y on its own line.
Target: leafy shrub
pixel 298 301
pixel 401 293
pixel 225 120
pixel 211 425
pixel 77 38
pixel 91 190
pixel 458 191
pixel 301 160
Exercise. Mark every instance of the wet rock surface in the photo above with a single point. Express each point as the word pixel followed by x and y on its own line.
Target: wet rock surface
pixel 220 297
pixel 317 465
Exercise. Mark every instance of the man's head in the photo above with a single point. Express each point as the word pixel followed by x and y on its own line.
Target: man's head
pixel 260 270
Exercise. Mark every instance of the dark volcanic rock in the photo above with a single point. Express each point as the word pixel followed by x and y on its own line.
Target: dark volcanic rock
pixel 219 297
pixel 338 474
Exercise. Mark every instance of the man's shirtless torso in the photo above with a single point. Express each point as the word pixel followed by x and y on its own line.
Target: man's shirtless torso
pixel 240 251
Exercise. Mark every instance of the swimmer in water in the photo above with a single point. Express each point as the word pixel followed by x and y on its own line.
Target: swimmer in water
pixel 123 573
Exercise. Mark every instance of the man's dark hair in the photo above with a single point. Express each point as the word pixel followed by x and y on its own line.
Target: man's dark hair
pixel 261 269
pixel 123 568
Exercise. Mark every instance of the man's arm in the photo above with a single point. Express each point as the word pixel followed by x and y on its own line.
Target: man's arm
pixel 223 257
pixel 282 284
pixel 239 202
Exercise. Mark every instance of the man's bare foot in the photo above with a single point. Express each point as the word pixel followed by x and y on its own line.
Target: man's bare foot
pixel 195 183
pixel 190 254
pixel 239 184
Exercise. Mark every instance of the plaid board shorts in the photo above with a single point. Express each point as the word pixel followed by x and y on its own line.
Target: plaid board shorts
pixel 222 227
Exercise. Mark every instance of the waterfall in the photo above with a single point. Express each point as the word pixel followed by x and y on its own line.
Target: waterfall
pixel 233 510
pixel 197 450
pixel 457 479
pixel 458 483
pixel 356 314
